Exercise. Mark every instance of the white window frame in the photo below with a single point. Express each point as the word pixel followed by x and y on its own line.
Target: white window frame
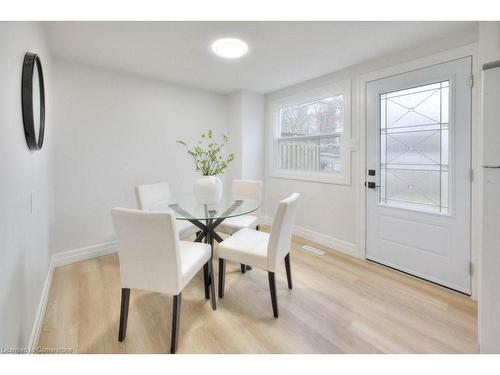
pixel 275 105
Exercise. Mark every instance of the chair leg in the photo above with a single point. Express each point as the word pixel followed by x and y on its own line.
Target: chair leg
pixel 222 276
pixel 288 271
pixel 243 268
pixel 212 286
pixel 272 288
pixel 124 314
pixel 176 315
pixel 206 280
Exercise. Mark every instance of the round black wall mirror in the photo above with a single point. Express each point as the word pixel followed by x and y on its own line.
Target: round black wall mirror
pixel 33 101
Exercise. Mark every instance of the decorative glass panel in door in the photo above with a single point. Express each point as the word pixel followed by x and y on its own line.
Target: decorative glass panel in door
pixel 414 148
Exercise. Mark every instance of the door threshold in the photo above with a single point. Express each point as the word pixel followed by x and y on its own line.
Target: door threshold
pixel 420 278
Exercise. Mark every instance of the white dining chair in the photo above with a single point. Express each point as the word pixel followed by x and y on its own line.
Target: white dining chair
pixel 153 258
pixel 246 189
pixel 262 250
pixel 149 195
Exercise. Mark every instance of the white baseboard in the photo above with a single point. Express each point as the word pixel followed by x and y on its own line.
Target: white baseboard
pixel 60 259
pixel 330 242
pixel 84 253
pixel 40 312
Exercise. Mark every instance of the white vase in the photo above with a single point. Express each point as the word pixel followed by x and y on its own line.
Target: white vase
pixel 208 190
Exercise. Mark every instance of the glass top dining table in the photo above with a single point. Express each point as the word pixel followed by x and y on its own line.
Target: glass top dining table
pixel 187 207
pixel 206 217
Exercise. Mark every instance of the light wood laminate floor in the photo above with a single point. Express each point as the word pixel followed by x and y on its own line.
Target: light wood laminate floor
pixel 338 305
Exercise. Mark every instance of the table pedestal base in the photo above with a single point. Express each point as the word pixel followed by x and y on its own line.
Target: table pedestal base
pixel 207 234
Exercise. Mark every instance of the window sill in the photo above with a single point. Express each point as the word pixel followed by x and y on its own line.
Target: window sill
pixel 324 178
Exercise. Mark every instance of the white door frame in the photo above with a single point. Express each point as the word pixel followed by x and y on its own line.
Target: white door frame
pixel 468 50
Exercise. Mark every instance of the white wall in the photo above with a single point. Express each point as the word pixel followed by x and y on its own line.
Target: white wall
pixel 246 115
pixel 253 113
pixel 489 41
pixel 334 212
pixel 234 132
pixel 25 238
pixel 489 280
pixel 115 131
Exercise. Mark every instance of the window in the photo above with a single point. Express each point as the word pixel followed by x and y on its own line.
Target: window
pixel 310 135
pixel 414 147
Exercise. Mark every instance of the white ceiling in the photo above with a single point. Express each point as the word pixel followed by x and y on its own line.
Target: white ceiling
pixel 280 53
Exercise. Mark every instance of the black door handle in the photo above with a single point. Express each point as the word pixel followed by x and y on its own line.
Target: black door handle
pixel 372 185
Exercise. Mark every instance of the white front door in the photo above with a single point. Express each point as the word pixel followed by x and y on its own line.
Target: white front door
pixel 418 172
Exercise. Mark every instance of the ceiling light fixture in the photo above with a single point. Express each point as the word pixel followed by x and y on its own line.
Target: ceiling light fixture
pixel 229 48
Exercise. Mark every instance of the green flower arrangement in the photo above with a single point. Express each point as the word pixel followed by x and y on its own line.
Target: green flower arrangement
pixel 207 154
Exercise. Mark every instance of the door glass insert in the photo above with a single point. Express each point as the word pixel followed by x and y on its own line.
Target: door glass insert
pixel 414 148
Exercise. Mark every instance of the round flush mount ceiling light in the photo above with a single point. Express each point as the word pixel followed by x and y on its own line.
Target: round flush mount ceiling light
pixel 229 48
